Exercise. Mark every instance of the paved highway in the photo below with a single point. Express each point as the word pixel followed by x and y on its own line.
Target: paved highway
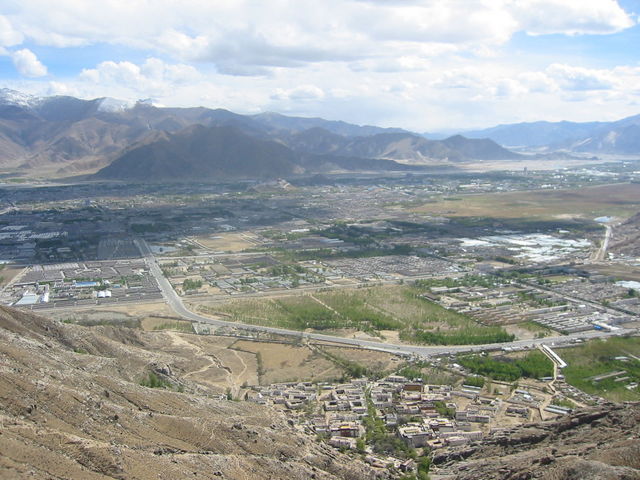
pixel 175 302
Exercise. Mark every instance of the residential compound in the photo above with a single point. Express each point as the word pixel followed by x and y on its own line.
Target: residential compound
pixel 418 414
pixel 573 304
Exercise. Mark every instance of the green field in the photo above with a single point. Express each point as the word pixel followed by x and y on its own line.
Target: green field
pixel 533 365
pixel 373 310
pixel 597 357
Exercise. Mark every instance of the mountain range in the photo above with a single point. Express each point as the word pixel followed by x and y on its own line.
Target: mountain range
pixel 62 136
pixel 620 137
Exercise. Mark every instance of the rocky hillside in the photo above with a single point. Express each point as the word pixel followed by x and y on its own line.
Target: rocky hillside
pixel 598 444
pixel 72 407
pixel 625 239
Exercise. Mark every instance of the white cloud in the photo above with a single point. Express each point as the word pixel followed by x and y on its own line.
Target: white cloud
pixel 154 76
pixel 8 35
pixel 59 88
pixel 580 79
pixel 464 78
pixel 537 82
pixel 418 100
pixel 28 64
pixel 508 88
pixel 571 17
pixel 301 93
pixel 251 37
pixel 451 22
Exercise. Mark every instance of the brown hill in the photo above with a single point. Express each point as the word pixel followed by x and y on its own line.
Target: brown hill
pixel 602 443
pixel 626 237
pixel 71 407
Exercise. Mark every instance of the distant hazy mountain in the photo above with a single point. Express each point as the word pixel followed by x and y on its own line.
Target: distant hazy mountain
pixel 534 134
pixel 621 137
pixel 298 124
pixel 401 146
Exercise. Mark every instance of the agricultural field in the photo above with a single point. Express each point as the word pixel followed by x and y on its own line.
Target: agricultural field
pixel 378 363
pixel 278 362
pixel 372 310
pixel 227 242
pixel 588 363
pixel 622 200
pixel 8 273
pixel 618 271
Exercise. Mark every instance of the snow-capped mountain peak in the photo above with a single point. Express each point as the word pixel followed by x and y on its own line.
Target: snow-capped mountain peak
pixel 13 97
pixel 108 104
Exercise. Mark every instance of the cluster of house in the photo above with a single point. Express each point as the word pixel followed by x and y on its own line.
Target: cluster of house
pixel 293 395
pixel 420 414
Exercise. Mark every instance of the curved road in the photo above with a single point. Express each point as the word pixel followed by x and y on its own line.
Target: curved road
pixel 175 302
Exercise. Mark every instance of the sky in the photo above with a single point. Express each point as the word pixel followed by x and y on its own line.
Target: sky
pixel 430 65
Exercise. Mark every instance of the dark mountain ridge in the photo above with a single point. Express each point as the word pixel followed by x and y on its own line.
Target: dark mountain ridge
pixel 199 152
pixel 225 152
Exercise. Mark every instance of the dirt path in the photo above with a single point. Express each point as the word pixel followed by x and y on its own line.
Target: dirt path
pixel 201 370
pixel 379 310
pixel 244 365
pixel 213 360
pixel 326 371
pixel 601 253
pixel 325 305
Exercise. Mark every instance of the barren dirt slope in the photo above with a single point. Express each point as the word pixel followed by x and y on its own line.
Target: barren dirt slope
pixel 626 237
pixel 71 407
pixel 602 443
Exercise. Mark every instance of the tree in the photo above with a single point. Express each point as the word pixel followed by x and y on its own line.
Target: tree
pixel 424 465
